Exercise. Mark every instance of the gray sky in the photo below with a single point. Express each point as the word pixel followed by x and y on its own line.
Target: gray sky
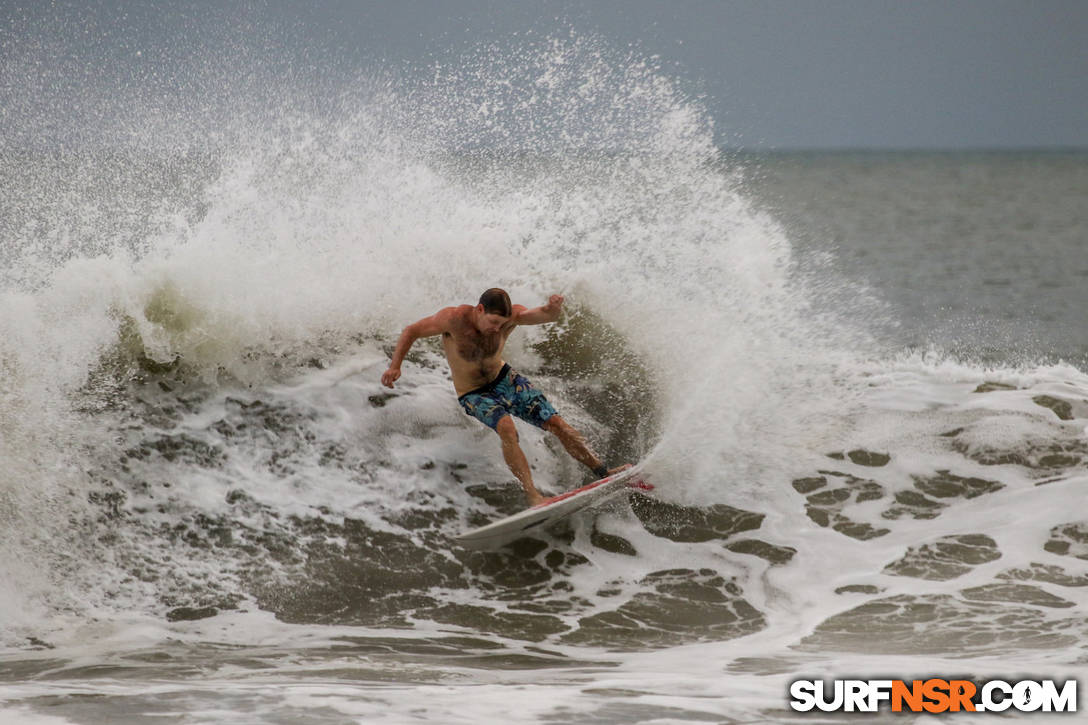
pixel 776 73
pixel 809 73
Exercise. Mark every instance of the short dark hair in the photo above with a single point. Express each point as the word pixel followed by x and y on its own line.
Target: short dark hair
pixel 496 302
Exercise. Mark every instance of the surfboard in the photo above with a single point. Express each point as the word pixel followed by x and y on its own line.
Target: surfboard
pixel 553 510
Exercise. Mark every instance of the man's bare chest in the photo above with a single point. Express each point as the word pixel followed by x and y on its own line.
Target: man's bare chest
pixel 473 346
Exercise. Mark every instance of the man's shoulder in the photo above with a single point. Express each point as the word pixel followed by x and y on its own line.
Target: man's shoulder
pixel 452 315
pixel 515 313
pixel 455 310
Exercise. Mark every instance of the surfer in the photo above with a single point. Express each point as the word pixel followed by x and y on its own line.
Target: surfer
pixel 487 388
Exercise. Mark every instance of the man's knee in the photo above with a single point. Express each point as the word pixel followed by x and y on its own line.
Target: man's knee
pixel 558 426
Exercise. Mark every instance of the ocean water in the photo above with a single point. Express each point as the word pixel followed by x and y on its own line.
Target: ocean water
pixel 858 382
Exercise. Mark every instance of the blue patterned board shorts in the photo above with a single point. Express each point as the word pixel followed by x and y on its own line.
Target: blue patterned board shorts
pixel 509 393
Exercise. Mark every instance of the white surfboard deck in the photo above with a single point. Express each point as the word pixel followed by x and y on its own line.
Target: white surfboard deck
pixel 553 510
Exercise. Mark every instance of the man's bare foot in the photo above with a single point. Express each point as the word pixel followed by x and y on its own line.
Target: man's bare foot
pixel 617 469
pixel 535 499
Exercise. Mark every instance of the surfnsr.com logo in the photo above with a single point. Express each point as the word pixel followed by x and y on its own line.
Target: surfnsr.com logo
pixel 934 696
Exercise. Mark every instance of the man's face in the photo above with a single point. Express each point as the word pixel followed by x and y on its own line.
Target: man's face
pixel 487 322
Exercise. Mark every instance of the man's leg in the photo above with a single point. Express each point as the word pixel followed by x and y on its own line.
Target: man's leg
pixel 515 458
pixel 575 443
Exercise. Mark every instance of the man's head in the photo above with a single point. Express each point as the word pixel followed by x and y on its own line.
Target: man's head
pixel 493 310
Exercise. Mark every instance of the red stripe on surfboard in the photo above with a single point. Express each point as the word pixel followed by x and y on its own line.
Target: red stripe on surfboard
pixel 633 483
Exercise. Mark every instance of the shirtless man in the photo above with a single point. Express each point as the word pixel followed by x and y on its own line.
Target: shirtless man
pixel 488 390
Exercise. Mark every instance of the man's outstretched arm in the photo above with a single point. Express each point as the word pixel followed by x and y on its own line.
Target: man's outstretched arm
pixel 436 324
pixel 539 315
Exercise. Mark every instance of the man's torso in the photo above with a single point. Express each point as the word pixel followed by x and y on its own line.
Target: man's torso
pixel 475 358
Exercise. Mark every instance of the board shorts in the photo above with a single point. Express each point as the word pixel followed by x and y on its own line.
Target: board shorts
pixel 508 394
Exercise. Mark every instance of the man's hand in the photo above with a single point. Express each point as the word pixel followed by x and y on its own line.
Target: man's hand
pixel 390 376
pixel 555 303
